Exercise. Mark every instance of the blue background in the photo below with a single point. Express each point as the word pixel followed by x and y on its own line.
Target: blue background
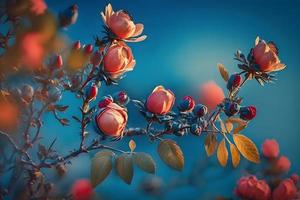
pixel 186 39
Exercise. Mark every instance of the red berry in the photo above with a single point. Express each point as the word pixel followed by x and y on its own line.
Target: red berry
pixel 77 45
pixel 88 49
pixel 248 113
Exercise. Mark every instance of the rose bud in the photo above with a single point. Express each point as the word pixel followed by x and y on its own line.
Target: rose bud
pixel 196 129
pixel 160 101
pixel 282 164
pixel 58 62
pixel 96 58
pixel 118 60
pixel 112 120
pixel 88 49
pixel 121 24
pixel 55 94
pixel 286 190
pixel 251 188
pixel 211 95
pixel 77 45
pixel 121 98
pixel 82 190
pixel 270 149
pixel 266 57
pixel 187 104
pixel 200 110
pixel 234 81
pixel 104 102
pixel 91 92
pixel 248 112
pixel 27 92
pixel 231 108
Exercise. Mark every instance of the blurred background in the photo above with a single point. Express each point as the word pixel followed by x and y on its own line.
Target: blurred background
pixel 186 39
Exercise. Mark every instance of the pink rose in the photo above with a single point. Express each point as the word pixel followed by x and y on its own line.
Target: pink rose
pixel 160 101
pixel 286 190
pixel 112 120
pixel 265 56
pixel 118 60
pixel 121 24
pixel 270 148
pixel 211 95
pixel 250 187
pixel 283 164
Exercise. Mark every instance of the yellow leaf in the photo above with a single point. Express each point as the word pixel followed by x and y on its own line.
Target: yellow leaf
pixel 132 145
pixel 226 127
pixel 222 153
pixel 247 148
pixel 223 71
pixel 236 120
pixel 171 154
pixel 145 162
pixel 229 126
pixel 124 167
pixel 101 166
pixel 239 128
pixel 235 155
pixel 210 144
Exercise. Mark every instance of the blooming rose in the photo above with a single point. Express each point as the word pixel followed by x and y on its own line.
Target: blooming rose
pixel 112 120
pixel 251 188
pixel 160 101
pixel 211 95
pixel 286 190
pixel 283 164
pixel 121 24
pixel 266 57
pixel 118 60
pixel 82 190
pixel 270 148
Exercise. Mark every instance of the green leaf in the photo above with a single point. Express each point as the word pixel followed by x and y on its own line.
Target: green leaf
pixel 171 154
pixel 101 166
pixel 145 162
pixel 124 167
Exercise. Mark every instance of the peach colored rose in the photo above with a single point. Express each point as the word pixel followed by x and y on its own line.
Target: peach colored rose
pixel 251 188
pixel 160 101
pixel 265 56
pixel 211 95
pixel 283 164
pixel 121 24
pixel 286 190
pixel 270 148
pixel 112 120
pixel 118 60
